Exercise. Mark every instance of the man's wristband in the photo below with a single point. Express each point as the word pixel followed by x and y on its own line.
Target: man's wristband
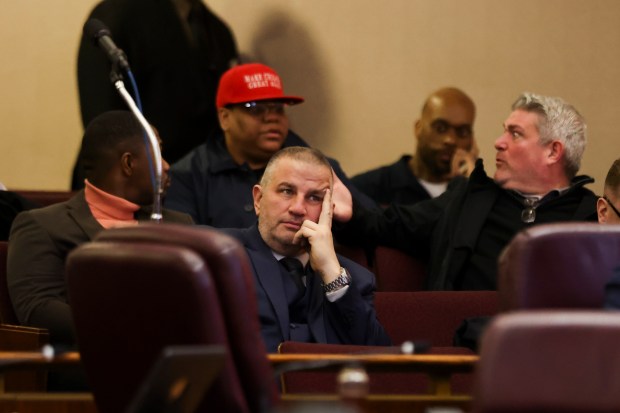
pixel 343 280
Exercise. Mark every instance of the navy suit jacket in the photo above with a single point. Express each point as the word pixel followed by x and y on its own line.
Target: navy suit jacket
pixel 349 320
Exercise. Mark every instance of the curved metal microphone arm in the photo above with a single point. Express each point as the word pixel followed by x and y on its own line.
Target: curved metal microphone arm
pixel 156 215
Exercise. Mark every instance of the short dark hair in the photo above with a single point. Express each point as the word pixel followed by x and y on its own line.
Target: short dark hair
pixel 612 181
pixel 300 153
pixel 106 137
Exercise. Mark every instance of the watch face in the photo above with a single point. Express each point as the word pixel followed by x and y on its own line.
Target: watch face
pixel 343 279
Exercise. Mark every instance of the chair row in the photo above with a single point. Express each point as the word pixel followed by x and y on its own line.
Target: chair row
pixel 531 361
pixel 395 270
pixel 45 198
pixel 199 284
pixel 406 316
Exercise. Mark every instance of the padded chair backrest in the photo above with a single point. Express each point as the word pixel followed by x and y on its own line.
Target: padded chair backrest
pixel 129 301
pixel 357 254
pixel 550 361
pixel 397 271
pixel 45 198
pixel 431 316
pixel 234 280
pixel 562 265
pixel 7 314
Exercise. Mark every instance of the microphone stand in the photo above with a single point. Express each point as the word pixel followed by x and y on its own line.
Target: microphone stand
pixel 116 79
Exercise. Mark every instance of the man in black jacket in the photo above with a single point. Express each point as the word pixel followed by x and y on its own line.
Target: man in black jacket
pixel 462 232
pixel 177 50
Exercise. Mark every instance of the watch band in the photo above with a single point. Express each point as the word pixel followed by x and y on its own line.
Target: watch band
pixel 343 280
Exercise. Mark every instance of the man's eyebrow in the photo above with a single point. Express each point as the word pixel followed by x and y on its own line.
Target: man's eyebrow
pixel 442 120
pixel 320 192
pixel 511 126
pixel 285 183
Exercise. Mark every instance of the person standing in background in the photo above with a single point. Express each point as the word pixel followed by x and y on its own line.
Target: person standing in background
pixel 177 51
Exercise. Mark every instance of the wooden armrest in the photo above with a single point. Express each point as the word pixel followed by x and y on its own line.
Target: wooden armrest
pixel 22 338
pixel 36 360
pixel 14 338
pixel 438 367
pixel 424 363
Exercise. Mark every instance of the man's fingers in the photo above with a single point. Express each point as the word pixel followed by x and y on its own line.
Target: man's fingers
pixel 326 210
pixel 299 235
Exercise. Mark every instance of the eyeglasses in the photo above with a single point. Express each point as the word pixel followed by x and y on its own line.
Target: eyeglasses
pixel 611 205
pixel 259 109
pixel 441 126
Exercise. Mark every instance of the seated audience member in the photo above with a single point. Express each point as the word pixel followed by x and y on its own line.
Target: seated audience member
pixel 213 183
pixel 312 294
pixel 462 232
pixel 117 192
pixel 608 212
pixel 445 149
pixel 11 204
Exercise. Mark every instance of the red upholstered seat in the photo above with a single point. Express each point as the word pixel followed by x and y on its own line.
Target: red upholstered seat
pixel 562 265
pixel 397 271
pixel 431 316
pixel 550 361
pixel 129 301
pixel 357 254
pixel 234 282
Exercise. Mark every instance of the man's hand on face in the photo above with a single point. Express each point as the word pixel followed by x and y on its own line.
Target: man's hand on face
pixel 463 162
pixel 320 242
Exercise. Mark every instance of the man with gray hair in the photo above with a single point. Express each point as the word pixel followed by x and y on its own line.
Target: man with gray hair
pixel 462 232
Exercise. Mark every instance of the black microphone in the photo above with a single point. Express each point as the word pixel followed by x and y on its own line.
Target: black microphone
pixel 101 36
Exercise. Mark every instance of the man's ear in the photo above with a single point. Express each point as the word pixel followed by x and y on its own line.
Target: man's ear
pixel 223 116
pixel 556 152
pixel 601 211
pixel 257 194
pixel 127 163
pixel 417 127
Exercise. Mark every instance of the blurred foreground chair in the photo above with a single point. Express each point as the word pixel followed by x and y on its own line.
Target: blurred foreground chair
pixel 562 265
pixel 129 301
pixel 234 283
pixel 550 361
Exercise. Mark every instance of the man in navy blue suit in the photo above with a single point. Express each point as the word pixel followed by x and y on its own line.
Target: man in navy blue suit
pixel 305 291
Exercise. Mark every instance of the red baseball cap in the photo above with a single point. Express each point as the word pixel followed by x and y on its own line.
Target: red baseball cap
pixel 251 82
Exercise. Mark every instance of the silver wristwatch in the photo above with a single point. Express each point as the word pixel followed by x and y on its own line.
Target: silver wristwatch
pixel 343 279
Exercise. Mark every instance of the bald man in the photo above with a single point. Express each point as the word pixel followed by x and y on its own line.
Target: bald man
pixel 445 149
